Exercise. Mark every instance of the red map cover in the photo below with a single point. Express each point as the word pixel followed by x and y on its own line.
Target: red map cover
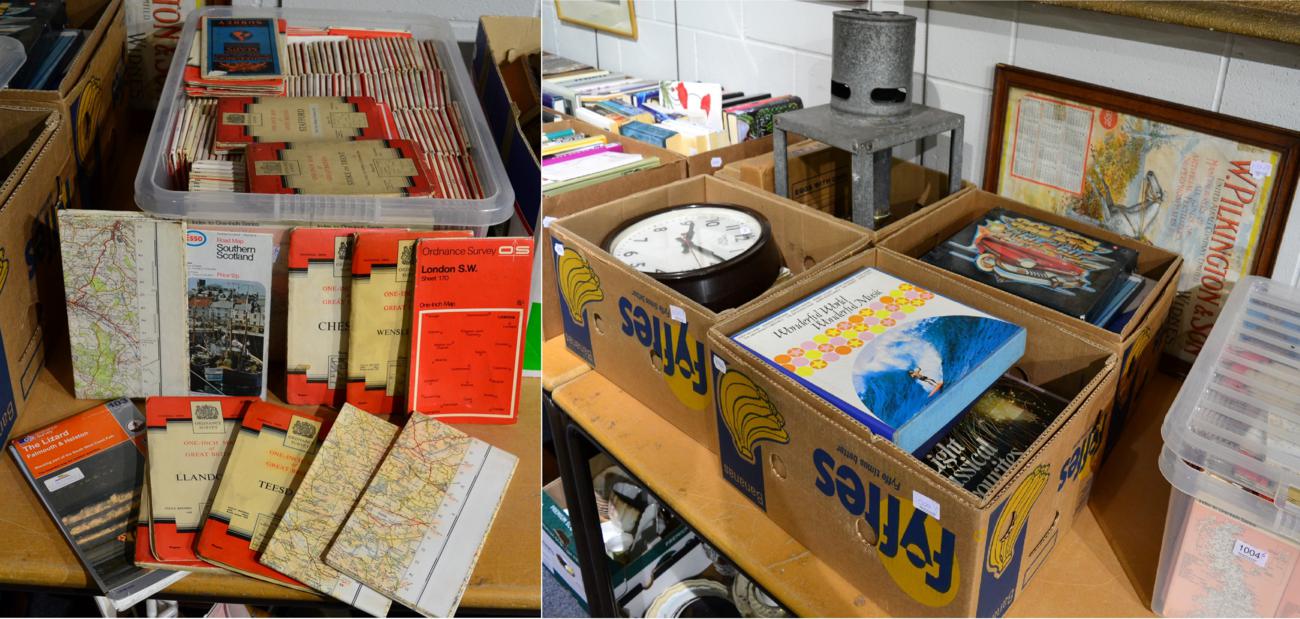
pixel 379 118
pixel 469 317
pixel 170 543
pixel 374 302
pixel 321 175
pixel 308 246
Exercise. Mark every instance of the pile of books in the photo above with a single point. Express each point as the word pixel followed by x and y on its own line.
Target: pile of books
pixel 49 42
pixel 915 367
pixel 1070 272
pixel 335 111
pixel 572 160
pixel 684 117
pixel 351 505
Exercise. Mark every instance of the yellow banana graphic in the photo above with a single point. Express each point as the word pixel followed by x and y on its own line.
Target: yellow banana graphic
pixel 578 284
pixel 749 415
pixel 1002 546
pixel 4 269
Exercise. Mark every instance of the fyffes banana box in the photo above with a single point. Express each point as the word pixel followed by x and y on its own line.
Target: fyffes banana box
pixel 647 338
pixel 921 544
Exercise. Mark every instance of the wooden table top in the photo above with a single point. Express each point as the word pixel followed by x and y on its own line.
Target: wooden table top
pixel 1082 577
pixel 507 575
pixel 559 365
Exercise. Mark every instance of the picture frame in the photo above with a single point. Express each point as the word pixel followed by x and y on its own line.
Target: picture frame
pixel 1213 188
pixel 613 16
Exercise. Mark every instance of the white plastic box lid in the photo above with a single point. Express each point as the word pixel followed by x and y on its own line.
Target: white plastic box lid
pixel 152 186
pixel 1232 436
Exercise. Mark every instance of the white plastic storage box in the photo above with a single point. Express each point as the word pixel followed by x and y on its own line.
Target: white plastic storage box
pixel 1232 453
pixel 155 195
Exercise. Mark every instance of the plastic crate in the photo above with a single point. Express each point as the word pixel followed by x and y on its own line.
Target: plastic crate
pixel 1232 454
pixel 152 185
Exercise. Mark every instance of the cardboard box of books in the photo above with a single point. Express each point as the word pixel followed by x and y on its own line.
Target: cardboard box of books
pixel 965 233
pixel 36 179
pixel 91 93
pixel 946 518
pixel 648 338
pixel 672 168
pixel 819 176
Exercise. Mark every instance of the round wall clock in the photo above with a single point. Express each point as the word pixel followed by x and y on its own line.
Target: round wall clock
pixel 719 255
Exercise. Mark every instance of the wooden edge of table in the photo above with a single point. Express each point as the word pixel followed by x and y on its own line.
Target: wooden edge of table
pixel 559 364
pixel 507 575
pixel 1082 577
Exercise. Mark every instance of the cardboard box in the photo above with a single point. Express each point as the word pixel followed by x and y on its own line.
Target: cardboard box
pixel 672 168
pixel 819 175
pixel 92 92
pixel 647 338
pixel 31 282
pixel 1137 345
pixel 711 161
pixel 560 552
pixel 915 542
pixel 501 39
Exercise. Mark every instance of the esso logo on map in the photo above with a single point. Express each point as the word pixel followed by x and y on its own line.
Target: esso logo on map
pixel 195 238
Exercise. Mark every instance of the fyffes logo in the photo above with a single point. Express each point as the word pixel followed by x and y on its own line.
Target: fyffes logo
pixel 578 284
pixel 682 357
pixel 917 551
pixel 195 238
pixel 88 112
pixel 748 414
pixel 1012 520
pixel 1085 455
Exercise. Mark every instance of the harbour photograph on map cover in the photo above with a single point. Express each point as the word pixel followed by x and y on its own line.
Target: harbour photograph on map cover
pixel 227 331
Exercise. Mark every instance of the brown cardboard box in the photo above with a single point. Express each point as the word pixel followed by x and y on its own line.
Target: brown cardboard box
pixel 711 161
pixel 622 322
pixel 672 168
pixel 1136 346
pixel 819 176
pixel 90 96
pixel 29 267
pixel 915 542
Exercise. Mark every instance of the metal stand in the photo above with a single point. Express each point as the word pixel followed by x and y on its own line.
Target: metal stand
pixel 871 141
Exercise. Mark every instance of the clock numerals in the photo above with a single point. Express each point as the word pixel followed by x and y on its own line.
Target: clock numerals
pixel 629 253
pixel 712 223
pixel 660 228
pixel 745 237
pixel 733 227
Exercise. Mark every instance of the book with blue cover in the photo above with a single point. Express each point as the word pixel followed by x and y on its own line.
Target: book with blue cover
pixel 900 359
pixel 241 48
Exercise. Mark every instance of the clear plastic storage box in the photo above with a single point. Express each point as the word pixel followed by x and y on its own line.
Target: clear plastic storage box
pixel 155 195
pixel 1232 453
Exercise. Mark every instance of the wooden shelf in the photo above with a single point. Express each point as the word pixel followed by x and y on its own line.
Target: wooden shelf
pixel 507 576
pixel 1084 576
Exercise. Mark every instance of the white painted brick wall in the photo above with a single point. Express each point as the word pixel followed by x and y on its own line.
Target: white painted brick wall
pixel 783 46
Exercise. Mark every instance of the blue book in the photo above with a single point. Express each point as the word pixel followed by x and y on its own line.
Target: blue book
pixel 899 359
pixel 241 48
pixel 652 134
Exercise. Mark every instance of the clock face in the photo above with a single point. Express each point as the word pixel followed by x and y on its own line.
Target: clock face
pixel 686 239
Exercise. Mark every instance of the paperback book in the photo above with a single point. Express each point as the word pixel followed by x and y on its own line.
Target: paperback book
pixel 229 285
pixel 124 286
pixel 87 470
pixel 320 294
pixel 257 480
pixel 1068 271
pixel 469 319
pixel 241 48
pixel 246 120
pixel 346 461
pixel 991 436
pixel 417 530
pixel 900 359
pixel 188 438
pixel 379 346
